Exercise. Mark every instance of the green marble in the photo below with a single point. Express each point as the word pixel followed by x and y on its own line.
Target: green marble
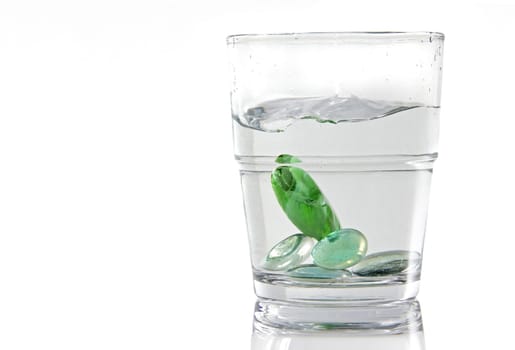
pixel 340 249
pixel 289 252
pixel 286 159
pixel 316 272
pixel 387 263
pixel 303 202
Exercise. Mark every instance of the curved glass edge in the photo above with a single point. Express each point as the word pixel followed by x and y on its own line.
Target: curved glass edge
pixel 351 36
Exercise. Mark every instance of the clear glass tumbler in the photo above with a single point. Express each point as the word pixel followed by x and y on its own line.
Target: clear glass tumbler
pixel 336 135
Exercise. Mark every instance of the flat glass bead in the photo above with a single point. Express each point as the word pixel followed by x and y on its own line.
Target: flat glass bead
pixel 289 252
pixel 387 263
pixel 303 202
pixel 340 249
pixel 316 272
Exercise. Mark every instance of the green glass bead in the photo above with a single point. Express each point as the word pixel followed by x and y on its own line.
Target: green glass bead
pixel 286 159
pixel 387 263
pixel 340 249
pixel 303 202
pixel 316 272
pixel 289 252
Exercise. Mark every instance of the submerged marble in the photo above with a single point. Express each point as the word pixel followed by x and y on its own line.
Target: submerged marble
pixel 316 272
pixel 340 249
pixel 289 252
pixel 387 263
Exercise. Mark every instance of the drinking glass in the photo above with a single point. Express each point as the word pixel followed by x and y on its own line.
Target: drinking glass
pixel 336 135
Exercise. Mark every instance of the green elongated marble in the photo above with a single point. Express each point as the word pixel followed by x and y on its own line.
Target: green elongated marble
pixel 289 252
pixel 303 202
pixel 387 263
pixel 340 249
pixel 316 272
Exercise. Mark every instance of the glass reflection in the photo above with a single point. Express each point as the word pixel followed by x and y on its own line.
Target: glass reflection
pixel 283 326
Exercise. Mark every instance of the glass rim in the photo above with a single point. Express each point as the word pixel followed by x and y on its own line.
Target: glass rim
pixel 353 35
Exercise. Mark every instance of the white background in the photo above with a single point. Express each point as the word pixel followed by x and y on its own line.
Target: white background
pixel 121 224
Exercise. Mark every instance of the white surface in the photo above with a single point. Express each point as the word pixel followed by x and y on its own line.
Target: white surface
pixel 339 341
pixel 121 225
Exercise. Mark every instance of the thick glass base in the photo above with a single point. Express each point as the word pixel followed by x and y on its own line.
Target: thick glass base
pixel 390 318
pixel 362 292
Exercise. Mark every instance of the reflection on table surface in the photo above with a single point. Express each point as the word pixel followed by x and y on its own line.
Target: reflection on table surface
pixel 391 327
